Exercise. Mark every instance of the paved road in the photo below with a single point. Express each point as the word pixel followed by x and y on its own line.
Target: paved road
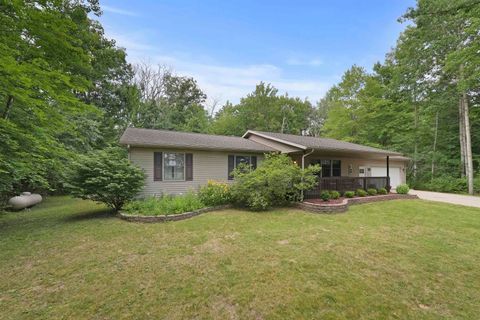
pixel 461 199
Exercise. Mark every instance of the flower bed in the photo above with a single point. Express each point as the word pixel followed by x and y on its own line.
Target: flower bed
pixel 342 204
pixel 171 217
pixel 173 208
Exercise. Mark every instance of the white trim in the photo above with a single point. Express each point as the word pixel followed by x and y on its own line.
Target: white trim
pixel 274 139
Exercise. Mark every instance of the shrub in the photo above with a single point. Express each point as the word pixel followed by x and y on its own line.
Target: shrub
pixel 372 192
pixel 403 189
pixel 165 205
pixel 446 184
pixel 334 194
pixel 349 194
pixel 215 193
pixel 361 192
pixel 106 176
pixel 382 191
pixel 276 181
pixel 325 195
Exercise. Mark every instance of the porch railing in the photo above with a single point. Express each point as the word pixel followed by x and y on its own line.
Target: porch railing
pixel 343 184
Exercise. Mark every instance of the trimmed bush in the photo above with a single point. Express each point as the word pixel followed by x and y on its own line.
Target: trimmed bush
pixel 325 195
pixel 382 191
pixel 372 192
pixel 361 192
pixel 334 194
pixel 215 193
pixel 403 189
pixel 166 205
pixel 106 176
pixel 276 181
pixel 349 194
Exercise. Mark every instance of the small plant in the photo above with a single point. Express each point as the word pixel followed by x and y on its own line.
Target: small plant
pixel 325 195
pixel 372 192
pixel 334 194
pixel 403 189
pixel 361 192
pixel 215 193
pixel 382 191
pixel 349 194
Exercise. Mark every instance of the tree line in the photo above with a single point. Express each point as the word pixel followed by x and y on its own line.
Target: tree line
pixel 66 89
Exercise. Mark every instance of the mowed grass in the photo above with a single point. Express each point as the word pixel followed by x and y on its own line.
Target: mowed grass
pixel 404 259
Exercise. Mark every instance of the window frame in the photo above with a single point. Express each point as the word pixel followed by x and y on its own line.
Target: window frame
pixel 184 167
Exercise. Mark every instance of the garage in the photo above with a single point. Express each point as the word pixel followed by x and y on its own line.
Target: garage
pixel 395 174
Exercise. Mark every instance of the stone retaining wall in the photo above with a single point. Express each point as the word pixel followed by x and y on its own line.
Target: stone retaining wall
pixel 342 207
pixel 172 217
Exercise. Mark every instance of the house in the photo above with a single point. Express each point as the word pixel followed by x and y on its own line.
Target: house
pixel 176 162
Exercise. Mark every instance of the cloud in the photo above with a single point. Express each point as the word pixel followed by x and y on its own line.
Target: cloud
pixel 220 82
pixel 304 62
pixel 223 83
pixel 115 10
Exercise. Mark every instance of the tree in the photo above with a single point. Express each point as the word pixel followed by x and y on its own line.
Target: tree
pixel 64 89
pixel 408 102
pixel 264 110
pixel 343 104
pixel 168 101
pixel 106 176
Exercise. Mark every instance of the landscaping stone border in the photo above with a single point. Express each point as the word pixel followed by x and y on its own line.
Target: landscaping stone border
pixel 343 206
pixel 171 217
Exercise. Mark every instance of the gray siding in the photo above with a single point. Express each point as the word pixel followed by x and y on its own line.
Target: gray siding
pixel 207 165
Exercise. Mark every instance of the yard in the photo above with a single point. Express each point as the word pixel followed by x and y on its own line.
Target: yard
pixel 399 259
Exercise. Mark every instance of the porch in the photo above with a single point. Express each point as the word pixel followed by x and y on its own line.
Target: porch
pixel 343 184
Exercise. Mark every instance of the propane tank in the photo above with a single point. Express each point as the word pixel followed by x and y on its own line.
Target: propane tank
pixel 25 200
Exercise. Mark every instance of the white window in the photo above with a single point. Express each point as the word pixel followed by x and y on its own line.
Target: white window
pixel 173 166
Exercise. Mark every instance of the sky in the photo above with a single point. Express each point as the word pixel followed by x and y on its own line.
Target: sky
pixel 300 47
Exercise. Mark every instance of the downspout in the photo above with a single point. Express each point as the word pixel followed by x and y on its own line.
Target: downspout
pixel 303 167
pixel 303 158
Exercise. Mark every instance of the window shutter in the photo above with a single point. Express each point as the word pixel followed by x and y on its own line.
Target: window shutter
pixel 253 160
pixel 157 166
pixel 231 166
pixel 188 166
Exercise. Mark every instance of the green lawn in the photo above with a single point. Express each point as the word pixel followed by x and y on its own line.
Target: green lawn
pixel 399 259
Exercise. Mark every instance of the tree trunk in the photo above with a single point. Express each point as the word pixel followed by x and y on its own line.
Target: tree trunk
pixel 415 152
pixel 461 135
pixel 434 144
pixel 468 144
pixel 8 106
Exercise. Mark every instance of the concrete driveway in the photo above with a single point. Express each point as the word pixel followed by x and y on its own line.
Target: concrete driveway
pixel 470 201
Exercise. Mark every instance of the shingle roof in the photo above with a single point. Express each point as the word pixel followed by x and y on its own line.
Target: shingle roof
pixel 177 139
pixel 323 144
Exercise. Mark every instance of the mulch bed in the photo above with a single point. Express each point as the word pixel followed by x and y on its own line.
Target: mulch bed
pixel 331 201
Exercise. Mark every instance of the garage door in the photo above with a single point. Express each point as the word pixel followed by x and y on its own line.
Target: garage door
pixel 394 174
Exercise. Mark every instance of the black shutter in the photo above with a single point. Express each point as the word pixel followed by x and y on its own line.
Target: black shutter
pixel 253 160
pixel 188 167
pixel 231 166
pixel 157 166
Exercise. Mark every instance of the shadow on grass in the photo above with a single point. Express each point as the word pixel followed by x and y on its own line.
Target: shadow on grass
pixel 90 215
